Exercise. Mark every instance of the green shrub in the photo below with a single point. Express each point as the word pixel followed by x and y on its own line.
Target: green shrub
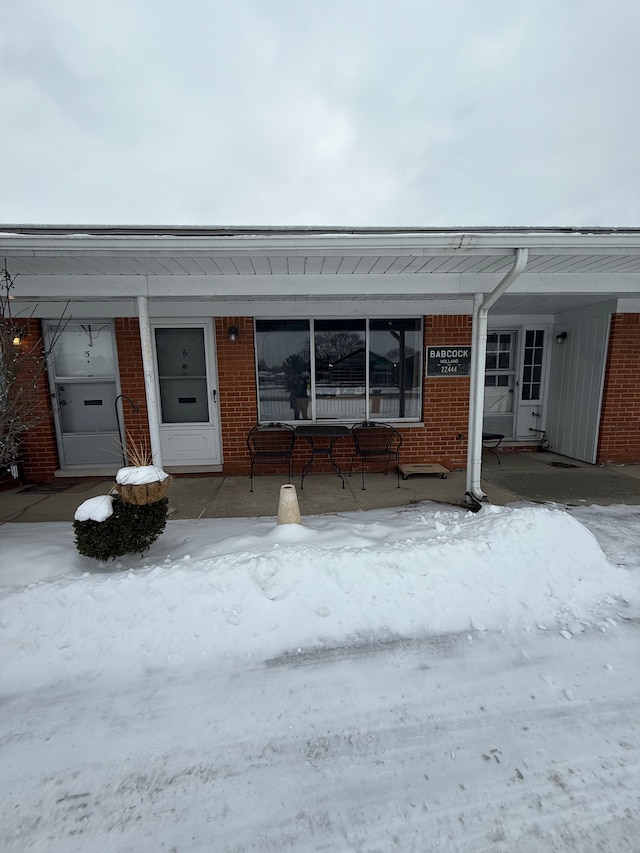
pixel 129 530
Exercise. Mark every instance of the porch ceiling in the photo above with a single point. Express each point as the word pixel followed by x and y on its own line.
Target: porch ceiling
pixel 154 263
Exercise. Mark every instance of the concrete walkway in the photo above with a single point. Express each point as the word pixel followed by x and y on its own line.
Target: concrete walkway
pixel 538 477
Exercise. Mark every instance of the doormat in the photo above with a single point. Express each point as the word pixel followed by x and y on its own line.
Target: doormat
pixel 562 465
pixel 50 488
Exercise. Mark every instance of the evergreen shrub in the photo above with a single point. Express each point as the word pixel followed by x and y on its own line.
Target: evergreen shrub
pixel 130 529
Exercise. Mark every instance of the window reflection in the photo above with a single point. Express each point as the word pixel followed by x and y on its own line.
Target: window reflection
pixel 182 375
pixel 340 350
pixel 284 369
pixel 395 355
pixel 359 370
pixel 84 349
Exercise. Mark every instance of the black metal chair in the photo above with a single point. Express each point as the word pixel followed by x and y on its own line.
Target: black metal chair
pixel 376 442
pixel 491 441
pixel 269 443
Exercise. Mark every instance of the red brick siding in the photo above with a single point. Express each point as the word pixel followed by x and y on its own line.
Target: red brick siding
pixel 127 332
pixel 445 400
pixel 237 391
pixel 445 403
pixel 39 448
pixel 619 438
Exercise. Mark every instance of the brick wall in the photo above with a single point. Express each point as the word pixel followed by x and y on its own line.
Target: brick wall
pixel 237 391
pixel 132 388
pixel 445 404
pixel 445 399
pixel 39 448
pixel 619 438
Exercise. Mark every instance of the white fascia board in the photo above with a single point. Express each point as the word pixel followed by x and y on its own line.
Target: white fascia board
pixel 507 320
pixel 453 284
pixel 93 287
pixel 456 285
pixel 281 309
pixel 305 286
pixel 628 306
pixel 285 310
pixel 78 287
pixel 555 283
pixel 48 310
pixel 464 241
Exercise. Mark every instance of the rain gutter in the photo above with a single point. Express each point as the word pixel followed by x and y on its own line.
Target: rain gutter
pixel 481 307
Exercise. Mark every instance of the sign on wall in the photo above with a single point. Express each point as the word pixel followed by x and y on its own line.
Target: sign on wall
pixel 449 360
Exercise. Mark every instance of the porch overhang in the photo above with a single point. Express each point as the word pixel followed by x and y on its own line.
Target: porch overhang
pixel 568 269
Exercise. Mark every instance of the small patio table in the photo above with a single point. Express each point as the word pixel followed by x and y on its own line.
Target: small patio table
pixel 322 439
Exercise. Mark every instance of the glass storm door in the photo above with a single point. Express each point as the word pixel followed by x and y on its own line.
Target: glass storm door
pixel 499 383
pixel 189 432
pixel 529 418
pixel 82 377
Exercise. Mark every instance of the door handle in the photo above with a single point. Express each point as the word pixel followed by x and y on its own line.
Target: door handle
pixel 215 395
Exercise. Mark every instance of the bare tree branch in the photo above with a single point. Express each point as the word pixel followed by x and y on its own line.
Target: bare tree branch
pixel 23 362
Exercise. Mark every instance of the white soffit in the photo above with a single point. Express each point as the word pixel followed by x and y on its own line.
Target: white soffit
pixel 567 268
pixel 152 264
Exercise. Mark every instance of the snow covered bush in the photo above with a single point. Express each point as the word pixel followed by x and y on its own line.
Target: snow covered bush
pixel 127 529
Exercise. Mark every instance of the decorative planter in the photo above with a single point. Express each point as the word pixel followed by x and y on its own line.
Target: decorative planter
pixel 142 485
pixel 143 493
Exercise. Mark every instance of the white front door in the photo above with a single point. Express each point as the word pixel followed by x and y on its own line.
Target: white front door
pixel 500 383
pixel 531 384
pixel 187 393
pixel 515 379
pixel 83 383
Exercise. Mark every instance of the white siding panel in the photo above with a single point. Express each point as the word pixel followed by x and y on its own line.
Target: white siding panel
pixel 575 390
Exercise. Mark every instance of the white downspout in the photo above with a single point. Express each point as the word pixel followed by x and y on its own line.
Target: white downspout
pixel 149 379
pixel 481 309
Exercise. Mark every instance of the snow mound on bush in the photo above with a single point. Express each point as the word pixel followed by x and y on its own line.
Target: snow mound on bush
pixel 137 475
pixel 99 509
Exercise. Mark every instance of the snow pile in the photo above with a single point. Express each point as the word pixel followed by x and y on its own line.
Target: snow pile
pixel 251 587
pixel 99 509
pixel 138 475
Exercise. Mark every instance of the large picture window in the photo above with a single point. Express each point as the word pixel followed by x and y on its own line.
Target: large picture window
pixel 339 370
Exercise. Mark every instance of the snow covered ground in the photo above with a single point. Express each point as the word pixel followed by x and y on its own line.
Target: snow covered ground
pixel 417 679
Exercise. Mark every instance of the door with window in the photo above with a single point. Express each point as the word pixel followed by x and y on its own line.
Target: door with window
pixel 529 414
pixel 514 383
pixel 500 383
pixel 187 394
pixel 84 389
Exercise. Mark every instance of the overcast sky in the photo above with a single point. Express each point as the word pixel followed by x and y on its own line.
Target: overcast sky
pixel 320 112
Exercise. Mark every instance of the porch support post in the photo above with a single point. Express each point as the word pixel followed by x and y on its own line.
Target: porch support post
pixel 481 308
pixel 149 379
